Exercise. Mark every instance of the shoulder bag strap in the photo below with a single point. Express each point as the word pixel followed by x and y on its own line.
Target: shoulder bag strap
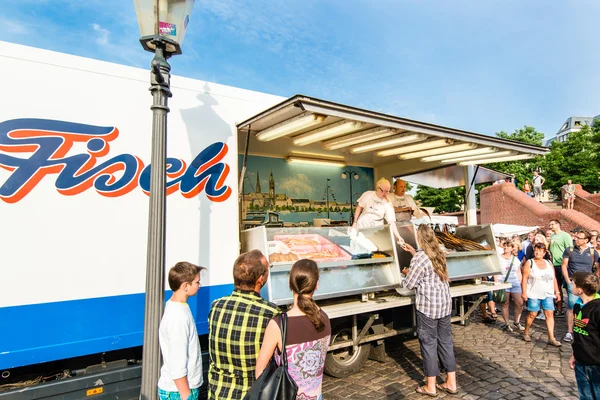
pixel 512 261
pixel 283 336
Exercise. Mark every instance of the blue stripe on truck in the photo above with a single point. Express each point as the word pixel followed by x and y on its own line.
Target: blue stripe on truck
pixel 45 332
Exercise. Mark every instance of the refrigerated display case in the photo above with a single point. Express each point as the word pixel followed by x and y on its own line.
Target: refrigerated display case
pixel 348 265
pixel 462 265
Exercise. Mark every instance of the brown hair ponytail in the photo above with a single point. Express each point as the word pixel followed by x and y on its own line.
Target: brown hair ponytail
pixel 304 277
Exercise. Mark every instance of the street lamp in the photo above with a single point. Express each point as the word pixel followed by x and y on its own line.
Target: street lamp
pixel 327 192
pixel 163 25
pixel 350 174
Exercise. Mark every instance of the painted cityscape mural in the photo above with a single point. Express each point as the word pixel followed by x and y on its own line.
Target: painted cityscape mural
pixel 300 193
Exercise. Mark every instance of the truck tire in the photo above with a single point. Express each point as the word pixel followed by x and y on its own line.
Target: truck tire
pixel 344 362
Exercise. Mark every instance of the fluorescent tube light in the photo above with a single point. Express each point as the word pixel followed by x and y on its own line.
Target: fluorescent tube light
pixel 289 126
pixel 440 150
pixel 392 141
pixel 315 161
pixel 479 157
pixel 359 137
pixel 327 132
pixel 498 159
pixel 475 152
pixel 426 145
pixel 294 153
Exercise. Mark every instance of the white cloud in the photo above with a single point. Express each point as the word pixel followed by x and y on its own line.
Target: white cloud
pixel 103 34
pixel 296 187
pixel 13 27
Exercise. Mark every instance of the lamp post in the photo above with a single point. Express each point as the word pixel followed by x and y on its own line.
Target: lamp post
pixel 349 175
pixel 327 192
pixel 163 25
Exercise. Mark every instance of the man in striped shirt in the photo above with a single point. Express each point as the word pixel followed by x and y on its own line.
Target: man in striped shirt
pixel 237 325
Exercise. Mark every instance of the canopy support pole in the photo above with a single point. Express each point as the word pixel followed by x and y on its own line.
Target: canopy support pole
pixel 470 198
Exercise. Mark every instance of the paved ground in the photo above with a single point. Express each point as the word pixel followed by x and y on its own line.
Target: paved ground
pixel 491 365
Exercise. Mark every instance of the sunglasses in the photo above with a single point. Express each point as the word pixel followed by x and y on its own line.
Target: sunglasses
pixel 383 191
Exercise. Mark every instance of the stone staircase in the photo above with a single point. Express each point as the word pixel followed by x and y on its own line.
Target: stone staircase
pixel 506 204
pixel 553 205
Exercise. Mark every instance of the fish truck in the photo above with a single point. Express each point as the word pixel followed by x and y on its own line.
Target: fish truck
pixel 245 170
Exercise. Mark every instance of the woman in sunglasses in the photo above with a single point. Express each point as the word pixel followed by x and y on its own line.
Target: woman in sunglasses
pixel 374 209
pixel 539 291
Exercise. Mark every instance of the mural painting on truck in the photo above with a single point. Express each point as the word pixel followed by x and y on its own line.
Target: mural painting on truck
pixel 74 177
pixel 300 193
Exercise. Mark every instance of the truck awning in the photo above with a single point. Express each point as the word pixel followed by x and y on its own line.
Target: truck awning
pixel 307 129
pixel 452 176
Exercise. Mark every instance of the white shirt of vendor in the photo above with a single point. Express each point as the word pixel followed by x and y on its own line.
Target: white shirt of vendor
pixel 376 211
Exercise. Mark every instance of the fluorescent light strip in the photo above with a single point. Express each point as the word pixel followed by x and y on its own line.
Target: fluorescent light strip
pixel 289 126
pixel 359 137
pixel 327 132
pixel 479 157
pixel 380 144
pixel 428 144
pixel 441 150
pixel 498 159
pixel 294 153
pixel 481 150
pixel 314 161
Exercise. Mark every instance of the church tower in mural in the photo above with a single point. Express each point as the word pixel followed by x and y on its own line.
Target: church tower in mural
pixel 272 186
pixel 257 182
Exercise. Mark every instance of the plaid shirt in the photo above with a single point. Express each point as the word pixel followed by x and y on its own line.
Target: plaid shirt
pixel 433 295
pixel 236 324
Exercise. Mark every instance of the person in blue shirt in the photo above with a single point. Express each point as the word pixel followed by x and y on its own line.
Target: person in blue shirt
pixel 575 259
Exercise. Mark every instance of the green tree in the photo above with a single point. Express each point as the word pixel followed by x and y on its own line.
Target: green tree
pixel 444 200
pixel 520 169
pixel 577 158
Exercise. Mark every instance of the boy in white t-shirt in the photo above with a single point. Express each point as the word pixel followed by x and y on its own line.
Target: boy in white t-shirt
pixel 181 373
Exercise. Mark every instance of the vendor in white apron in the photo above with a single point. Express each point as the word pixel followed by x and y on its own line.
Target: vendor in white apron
pixel 404 205
pixel 374 209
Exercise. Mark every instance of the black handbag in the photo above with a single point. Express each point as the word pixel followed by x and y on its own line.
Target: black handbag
pixel 275 383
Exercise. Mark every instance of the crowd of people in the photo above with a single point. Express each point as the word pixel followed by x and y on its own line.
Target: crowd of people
pixel 557 274
pixel 245 330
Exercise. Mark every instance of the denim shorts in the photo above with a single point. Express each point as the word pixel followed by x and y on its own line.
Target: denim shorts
pixel 533 305
pixel 164 395
pixel 516 288
pixel 571 297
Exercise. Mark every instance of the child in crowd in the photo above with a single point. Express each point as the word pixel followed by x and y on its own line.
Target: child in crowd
pixel 586 345
pixel 181 373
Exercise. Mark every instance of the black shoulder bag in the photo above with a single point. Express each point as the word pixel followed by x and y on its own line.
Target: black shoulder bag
pixel 275 383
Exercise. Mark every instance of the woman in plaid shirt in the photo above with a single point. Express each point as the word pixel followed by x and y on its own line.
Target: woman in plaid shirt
pixel 428 275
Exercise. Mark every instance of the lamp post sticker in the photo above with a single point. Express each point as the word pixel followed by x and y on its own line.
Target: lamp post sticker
pixel 166 28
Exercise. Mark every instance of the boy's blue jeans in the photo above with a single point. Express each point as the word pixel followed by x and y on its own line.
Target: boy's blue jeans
pixel 164 395
pixel 588 381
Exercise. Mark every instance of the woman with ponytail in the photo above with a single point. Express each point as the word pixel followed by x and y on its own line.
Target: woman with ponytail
pixel 308 334
pixel 428 275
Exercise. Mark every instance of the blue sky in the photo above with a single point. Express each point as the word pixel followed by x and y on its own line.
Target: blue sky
pixel 478 65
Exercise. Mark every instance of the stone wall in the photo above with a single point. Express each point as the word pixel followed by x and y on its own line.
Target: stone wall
pixel 506 204
pixel 586 203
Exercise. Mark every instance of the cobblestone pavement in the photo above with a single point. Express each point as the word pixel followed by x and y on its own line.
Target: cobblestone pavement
pixel 492 364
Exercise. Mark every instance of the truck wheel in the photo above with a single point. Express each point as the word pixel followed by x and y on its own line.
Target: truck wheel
pixel 344 362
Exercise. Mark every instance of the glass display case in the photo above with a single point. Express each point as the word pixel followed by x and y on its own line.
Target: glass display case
pixel 462 265
pixel 348 265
